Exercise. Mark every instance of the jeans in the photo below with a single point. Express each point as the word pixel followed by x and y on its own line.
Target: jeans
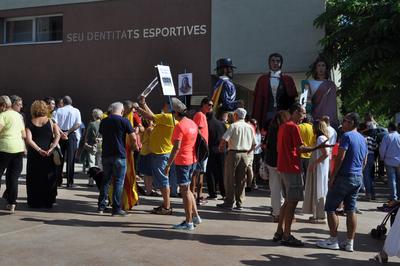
pixel 184 174
pixel 113 167
pixel 393 174
pixel 368 175
pixel 345 188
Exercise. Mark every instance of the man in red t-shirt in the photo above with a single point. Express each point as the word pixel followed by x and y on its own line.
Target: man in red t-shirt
pixel 183 154
pixel 201 120
pixel 289 146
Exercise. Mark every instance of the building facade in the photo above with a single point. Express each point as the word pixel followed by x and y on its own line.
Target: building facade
pixel 103 51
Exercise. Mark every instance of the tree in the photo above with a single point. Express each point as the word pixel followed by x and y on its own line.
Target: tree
pixel 363 40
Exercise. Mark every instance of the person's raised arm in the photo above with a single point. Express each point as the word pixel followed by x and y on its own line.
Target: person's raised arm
pixel 144 109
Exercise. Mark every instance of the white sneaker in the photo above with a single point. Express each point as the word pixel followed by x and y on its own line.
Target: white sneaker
pixel 11 207
pixel 184 226
pixel 347 245
pixel 196 220
pixel 330 243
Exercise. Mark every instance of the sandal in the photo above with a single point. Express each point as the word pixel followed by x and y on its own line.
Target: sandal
pixel 277 237
pixel 292 242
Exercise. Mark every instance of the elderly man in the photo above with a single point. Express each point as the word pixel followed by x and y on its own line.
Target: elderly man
pixel 69 120
pixel 241 141
pixel 114 129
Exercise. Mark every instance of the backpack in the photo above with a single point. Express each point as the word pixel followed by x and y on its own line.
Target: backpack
pixel 201 148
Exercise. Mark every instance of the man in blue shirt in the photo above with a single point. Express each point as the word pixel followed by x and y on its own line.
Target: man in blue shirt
pixel 345 183
pixel 114 129
pixel 389 151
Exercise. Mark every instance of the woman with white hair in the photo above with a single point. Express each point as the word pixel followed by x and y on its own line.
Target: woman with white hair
pixel 12 146
pixel 92 141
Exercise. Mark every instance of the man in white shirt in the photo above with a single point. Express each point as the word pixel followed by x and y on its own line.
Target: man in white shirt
pixel 69 120
pixel 241 142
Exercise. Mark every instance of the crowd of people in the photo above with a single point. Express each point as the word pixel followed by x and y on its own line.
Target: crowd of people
pixel 308 155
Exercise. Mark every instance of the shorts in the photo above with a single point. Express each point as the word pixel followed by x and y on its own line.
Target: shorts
pixel 158 164
pixel 292 186
pixel 345 188
pixel 201 167
pixel 184 174
pixel 144 165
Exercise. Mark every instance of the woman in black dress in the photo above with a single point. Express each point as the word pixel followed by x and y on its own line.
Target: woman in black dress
pixel 42 136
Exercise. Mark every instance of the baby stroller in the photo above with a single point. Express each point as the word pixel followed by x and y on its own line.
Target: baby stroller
pixel 381 229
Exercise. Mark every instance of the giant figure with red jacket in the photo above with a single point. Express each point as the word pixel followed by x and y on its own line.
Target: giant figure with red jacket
pixel 274 91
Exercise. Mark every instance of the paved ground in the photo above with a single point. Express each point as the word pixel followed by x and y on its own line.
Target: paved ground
pixel 72 233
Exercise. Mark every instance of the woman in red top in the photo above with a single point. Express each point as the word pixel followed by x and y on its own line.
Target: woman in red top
pixel 184 156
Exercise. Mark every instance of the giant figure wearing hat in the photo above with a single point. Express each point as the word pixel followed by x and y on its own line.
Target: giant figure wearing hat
pixel 274 91
pixel 224 95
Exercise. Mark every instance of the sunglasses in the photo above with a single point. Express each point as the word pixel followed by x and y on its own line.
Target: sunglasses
pixel 210 104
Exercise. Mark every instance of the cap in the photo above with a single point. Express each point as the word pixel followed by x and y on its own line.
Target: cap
pixel 178 106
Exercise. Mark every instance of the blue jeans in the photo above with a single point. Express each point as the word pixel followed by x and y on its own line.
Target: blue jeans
pixel 345 188
pixel 393 174
pixel 184 174
pixel 113 167
pixel 368 175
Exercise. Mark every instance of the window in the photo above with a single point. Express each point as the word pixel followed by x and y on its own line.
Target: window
pixel 33 29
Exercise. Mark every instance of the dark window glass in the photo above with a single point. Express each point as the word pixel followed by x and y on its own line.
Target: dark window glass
pixel 49 29
pixel 19 31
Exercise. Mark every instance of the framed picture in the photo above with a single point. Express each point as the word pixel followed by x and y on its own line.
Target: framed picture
pixel 185 82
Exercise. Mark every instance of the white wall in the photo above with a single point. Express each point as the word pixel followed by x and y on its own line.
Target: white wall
pixel 13 4
pixel 249 30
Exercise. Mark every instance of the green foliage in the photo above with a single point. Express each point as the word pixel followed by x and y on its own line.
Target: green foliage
pixel 363 40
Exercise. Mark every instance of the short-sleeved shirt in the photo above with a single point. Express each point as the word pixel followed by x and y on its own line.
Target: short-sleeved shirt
pixel 308 137
pixel 186 131
pixel 356 149
pixel 240 136
pixel 66 117
pixel 160 138
pixel 201 120
pixel 114 129
pixel 11 135
pixel 288 142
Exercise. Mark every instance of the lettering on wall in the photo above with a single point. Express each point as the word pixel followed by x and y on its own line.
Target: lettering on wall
pixel 135 34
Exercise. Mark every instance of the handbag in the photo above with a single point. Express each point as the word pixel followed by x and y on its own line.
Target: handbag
pixel 56 154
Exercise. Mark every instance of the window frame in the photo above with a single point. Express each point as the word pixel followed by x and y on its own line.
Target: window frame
pixel 33 19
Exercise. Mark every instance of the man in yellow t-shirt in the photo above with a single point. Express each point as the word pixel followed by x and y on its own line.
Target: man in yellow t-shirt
pixel 308 137
pixel 160 147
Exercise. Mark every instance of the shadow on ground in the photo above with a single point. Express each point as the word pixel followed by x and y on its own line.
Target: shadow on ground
pixel 318 259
